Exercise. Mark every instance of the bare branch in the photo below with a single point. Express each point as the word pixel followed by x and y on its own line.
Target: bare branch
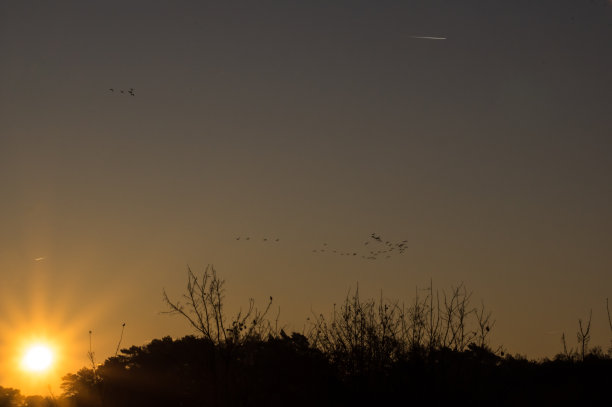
pixel 584 335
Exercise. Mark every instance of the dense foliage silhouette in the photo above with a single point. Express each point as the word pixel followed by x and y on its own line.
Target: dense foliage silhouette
pixel 434 351
pixel 287 370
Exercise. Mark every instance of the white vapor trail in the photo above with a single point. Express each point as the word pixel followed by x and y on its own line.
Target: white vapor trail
pixel 421 37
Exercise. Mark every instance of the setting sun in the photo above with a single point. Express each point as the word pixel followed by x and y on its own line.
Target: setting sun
pixel 37 358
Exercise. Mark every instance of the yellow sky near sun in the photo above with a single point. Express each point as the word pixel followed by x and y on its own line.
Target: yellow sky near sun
pixel 42 318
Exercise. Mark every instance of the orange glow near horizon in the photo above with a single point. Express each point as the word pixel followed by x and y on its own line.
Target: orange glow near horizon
pixel 43 337
pixel 35 362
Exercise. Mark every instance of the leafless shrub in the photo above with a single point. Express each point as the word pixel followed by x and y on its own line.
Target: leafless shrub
pixel 568 353
pixel 457 311
pixel 203 308
pixel 484 325
pixel 359 334
pixel 584 335
pixel 250 325
pixel 374 333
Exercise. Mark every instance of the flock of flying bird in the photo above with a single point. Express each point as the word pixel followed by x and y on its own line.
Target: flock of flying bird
pixel 377 249
pixel 130 91
pixel 263 239
pixel 373 249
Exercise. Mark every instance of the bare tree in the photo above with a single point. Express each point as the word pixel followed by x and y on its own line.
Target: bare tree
pixel 203 308
pixel 484 325
pixel 203 304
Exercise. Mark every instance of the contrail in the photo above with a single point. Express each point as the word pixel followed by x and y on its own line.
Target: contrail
pixel 420 37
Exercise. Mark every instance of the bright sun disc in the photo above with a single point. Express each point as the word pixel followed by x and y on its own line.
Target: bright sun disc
pixel 37 358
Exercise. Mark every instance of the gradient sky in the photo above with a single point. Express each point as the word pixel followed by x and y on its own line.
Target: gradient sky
pixel 310 121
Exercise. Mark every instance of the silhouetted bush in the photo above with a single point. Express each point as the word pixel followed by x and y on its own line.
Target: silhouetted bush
pixel 434 351
pixel 9 397
pixel 289 370
pixel 195 371
pixel 13 398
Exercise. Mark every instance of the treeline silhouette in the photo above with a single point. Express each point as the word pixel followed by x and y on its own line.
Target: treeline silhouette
pixel 433 351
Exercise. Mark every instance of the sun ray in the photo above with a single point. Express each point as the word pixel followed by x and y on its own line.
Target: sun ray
pixel 57 321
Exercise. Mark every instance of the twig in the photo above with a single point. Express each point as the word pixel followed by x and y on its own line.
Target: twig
pixel 584 335
pixel 120 339
pixel 609 319
pixel 91 356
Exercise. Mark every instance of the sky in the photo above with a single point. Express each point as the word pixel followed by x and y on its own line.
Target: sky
pixel 310 122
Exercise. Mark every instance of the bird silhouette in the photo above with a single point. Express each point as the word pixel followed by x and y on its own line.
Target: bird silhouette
pixel 387 248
